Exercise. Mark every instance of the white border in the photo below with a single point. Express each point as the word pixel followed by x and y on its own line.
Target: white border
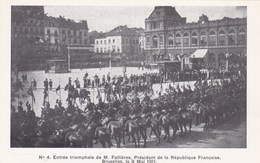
pixel 249 154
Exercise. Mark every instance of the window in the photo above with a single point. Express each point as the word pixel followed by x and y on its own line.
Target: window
pixel 105 41
pixel 212 38
pixel 100 41
pixel 105 49
pixel 97 50
pixel 97 42
pixel 56 32
pixel 242 37
pixel 194 39
pixel 154 25
pixel 170 40
pixel 80 33
pixel 48 31
pixel 123 41
pixel 221 38
pixel 75 41
pixel 203 39
pixel 155 41
pixel 186 39
pixel 147 40
pixel 231 37
pixel 161 40
pixel 109 41
pixel 63 32
pixel 113 40
pixel 118 49
pixel 178 40
pixel 69 32
pixel 101 50
pixel 126 41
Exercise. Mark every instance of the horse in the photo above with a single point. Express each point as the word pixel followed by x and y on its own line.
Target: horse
pixel 103 136
pixel 83 95
pixel 169 120
pixel 154 123
pixel 186 118
pixel 133 128
pixel 116 128
pixel 74 139
pixel 72 93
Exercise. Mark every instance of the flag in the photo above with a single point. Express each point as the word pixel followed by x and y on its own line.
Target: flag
pixel 57 89
pixel 30 92
pixel 179 57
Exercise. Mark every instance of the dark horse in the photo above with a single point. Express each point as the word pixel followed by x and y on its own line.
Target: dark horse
pixel 186 118
pixel 73 94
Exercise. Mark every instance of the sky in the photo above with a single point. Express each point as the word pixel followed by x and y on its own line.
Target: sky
pixel 105 18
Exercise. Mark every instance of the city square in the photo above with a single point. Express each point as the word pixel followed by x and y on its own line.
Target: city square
pixel 173 84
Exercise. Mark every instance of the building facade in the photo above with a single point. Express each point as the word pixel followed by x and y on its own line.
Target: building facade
pixel 40 37
pixel 169 36
pixel 121 39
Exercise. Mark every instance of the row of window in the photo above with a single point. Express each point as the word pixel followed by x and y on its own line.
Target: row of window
pixel 124 41
pixel 231 38
pixel 64 32
pixel 70 41
pixel 104 50
pixel 115 49
pixel 33 31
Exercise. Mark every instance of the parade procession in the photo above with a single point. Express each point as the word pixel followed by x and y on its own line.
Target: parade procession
pixel 173 84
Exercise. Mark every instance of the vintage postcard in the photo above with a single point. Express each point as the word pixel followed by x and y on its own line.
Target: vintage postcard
pixel 153 82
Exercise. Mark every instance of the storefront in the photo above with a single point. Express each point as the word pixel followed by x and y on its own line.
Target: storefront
pixel 56 66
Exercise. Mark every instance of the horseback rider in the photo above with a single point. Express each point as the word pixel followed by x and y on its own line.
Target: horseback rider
pixel 50 84
pixel 109 114
pixel 69 83
pixel 90 106
pixel 136 100
pixel 116 103
pixel 77 83
pixel 100 105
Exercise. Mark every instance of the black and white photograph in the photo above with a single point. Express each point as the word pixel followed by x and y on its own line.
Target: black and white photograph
pixel 128 76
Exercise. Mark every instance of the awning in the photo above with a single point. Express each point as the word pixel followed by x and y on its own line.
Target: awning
pixel 199 53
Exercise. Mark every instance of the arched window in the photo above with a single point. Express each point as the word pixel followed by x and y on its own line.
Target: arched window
pixel 186 39
pixel 170 40
pixel 203 39
pixel 242 36
pixel 231 37
pixel 178 39
pixel 221 37
pixel 194 39
pixel 212 38
pixel 155 41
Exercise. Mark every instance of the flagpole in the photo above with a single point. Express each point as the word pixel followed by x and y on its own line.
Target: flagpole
pixel 60 89
pixel 32 101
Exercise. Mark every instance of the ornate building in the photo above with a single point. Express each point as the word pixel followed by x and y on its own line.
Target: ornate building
pixel 36 37
pixel 121 39
pixel 169 36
